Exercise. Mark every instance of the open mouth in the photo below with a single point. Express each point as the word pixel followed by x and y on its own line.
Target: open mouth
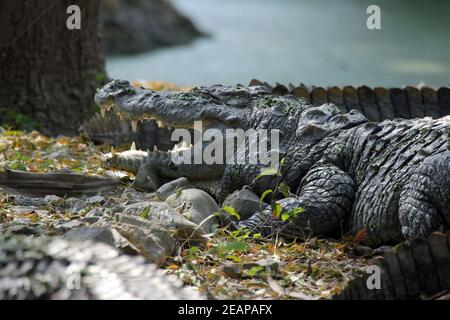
pixel 168 109
pixel 111 107
pixel 138 117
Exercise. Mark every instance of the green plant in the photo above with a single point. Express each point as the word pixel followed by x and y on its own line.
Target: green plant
pixel 18 121
pixel 224 249
pixel 280 188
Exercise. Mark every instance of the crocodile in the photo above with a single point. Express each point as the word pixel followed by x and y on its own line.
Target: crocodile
pixel 376 104
pixel 51 268
pixel 415 269
pixel 347 174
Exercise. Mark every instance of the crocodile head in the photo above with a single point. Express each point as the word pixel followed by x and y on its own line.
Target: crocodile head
pixel 217 106
pixel 300 126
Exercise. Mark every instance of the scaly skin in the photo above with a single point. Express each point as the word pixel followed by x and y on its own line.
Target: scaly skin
pixel 45 268
pixel 415 269
pixel 390 178
pixel 376 104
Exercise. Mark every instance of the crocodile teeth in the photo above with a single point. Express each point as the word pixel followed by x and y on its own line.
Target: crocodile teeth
pixel 113 151
pixel 102 112
pixel 133 146
pixel 155 149
pixel 160 124
pixel 134 125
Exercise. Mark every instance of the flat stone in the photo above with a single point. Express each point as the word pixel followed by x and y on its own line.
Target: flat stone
pixel 164 215
pixel 152 240
pixel 268 264
pixel 117 174
pixel 22 221
pixel 232 271
pixel 90 220
pixel 96 212
pixel 171 187
pixel 195 205
pixel 62 226
pixel 131 196
pixel 95 199
pixel 61 153
pixel 52 198
pixel 23 229
pixel 89 233
pixel 20 210
pixel 147 179
pixel 363 251
pixel 73 224
pixel 123 244
pixel 26 201
pixel 245 202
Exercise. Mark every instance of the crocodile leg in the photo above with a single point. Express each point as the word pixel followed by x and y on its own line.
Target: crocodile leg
pixel 325 195
pixel 147 179
pixel 160 168
pixel 424 202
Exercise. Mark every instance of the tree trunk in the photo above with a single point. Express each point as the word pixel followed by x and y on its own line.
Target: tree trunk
pixel 48 72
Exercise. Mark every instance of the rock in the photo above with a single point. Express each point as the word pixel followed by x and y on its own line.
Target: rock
pixel 92 216
pixel 26 201
pixel 103 221
pixel 22 221
pixel 146 179
pixel 52 198
pixel 74 205
pixel 151 239
pixel 72 224
pixel 105 235
pixel 131 196
pixel 166 216
pixel 66 205
pixel 268 264
pixel 62 226
pixel 134 26
pixel 244 201
pixel 95 200
pixel 123 244
pixel 96 212
pixel 382 250
pixel 363 251
pixel 59 154
pixel 195 205
pixel 109 203
pixel 23 229
pixel 116 174
pixel 231 271
pixel 94 234
pixel 171 187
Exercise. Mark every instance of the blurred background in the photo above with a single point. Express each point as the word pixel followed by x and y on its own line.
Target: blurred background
pixel 50 73
pixel 317 42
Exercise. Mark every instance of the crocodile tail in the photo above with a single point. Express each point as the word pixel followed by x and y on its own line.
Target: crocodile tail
pixel 415 269
pixel 376 104
pixel 45 268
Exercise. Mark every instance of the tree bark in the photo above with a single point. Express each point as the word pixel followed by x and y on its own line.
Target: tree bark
pixel 47 71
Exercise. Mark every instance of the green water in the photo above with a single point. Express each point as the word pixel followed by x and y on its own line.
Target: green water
pixel 317 42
